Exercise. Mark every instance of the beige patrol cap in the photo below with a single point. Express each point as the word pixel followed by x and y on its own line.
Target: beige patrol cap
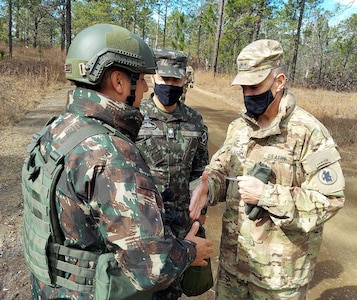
pixel 256 61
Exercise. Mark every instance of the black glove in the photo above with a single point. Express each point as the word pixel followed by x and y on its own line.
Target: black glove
pixel 262 172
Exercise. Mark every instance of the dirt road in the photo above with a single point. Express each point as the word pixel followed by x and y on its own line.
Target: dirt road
pixel 336 274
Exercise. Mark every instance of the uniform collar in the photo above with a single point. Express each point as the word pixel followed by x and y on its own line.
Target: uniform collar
pixel 88 103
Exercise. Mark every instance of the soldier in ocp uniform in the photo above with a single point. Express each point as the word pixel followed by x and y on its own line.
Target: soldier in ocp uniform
pixel 173 139
pixel 279 173
pixel 190 80
pixel 106 238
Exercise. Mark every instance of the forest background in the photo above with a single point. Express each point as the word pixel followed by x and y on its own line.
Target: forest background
pixel 318 52
pixel 321 56
pixel 34 35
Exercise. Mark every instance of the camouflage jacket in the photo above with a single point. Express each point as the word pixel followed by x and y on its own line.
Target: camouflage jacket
pixel 175 149
pixel 106 198
pixel 306 189
pixel 190 80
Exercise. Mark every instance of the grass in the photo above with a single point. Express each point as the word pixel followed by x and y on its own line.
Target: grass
pixel 25 78
pixel 33 73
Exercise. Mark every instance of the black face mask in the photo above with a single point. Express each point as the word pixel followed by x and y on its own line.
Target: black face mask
pixel 256 105
pixel 168 94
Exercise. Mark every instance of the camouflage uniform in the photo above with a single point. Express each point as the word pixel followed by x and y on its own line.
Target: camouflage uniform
pixel 174 145
pixel 279 251
pixel 188 83
pixel 107 200
pixel 274 256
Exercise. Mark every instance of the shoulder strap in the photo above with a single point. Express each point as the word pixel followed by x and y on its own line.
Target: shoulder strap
pixel 54 167
pixel 57 155
pixel 56 158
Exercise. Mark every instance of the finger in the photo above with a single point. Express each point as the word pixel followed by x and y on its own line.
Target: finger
pixel 194 228
pixel 203 263
pixel 195 211
pixel 204 176
pixel 199 197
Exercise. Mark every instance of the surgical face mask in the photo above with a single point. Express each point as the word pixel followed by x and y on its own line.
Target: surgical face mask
pixel 256 105
pixel 168 94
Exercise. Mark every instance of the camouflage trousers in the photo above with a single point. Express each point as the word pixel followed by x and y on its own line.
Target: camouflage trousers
pixel 228 287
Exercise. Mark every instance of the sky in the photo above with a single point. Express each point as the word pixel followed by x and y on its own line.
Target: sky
pixel 348 7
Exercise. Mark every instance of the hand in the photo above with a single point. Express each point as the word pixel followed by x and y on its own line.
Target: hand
pixel 199 197
pixel 250 189
pixel 204 247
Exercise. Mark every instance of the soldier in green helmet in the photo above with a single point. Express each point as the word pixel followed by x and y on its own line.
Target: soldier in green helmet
pixel 97 232
pixel 280 175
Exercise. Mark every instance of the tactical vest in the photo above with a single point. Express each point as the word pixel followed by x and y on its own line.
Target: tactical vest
pixel 43 247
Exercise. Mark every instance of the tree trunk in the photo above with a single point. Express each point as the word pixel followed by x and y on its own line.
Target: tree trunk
pixel 68 24
pixel 258 21
pixel 218 37
pixel 165 23
pixel 297 40
pixel 10 28
pixel 63 32
pixel 198 50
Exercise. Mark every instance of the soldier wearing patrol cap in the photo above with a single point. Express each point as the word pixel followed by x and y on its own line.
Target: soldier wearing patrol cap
pixel 173 140
pixel 280 175
pixel 98 232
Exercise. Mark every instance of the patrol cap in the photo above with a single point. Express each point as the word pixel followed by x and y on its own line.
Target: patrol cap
pixel 256 61
pixel 171 63
pixel 189 69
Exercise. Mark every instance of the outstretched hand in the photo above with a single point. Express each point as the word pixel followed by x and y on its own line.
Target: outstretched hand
pixel 204 247
pixel 199 197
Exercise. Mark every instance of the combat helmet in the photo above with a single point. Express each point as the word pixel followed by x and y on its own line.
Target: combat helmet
pixel 102 45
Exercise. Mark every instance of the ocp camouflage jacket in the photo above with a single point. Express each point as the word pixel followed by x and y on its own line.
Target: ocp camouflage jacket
pixel 306 189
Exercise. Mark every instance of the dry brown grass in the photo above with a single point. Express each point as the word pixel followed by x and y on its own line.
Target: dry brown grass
pixel 25 78
pixel 337 111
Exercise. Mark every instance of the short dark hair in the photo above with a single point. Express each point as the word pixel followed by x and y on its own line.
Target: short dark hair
pixel 102 82
pixel 277 70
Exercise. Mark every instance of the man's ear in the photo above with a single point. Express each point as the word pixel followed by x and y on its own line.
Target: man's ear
pixel 116 80
pixel 281 80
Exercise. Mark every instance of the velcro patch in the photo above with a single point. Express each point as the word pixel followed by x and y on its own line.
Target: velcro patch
pixel 320 160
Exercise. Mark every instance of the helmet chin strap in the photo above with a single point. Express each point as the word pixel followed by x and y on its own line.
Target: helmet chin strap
pixel 134 77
